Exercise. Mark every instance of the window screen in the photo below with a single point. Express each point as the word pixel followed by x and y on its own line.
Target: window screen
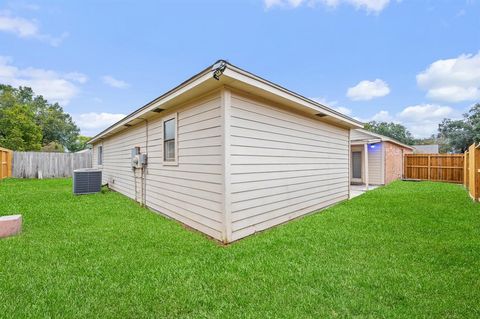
pixel 169 134
pixel 100 155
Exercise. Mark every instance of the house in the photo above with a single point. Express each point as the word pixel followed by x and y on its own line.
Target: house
pixel 229 153
pixel 426 149
pixel 383 154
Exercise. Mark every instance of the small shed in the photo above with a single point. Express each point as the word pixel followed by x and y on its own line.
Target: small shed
pixel 384 157
pixel 229 153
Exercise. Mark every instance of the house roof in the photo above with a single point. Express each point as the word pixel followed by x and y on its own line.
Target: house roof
pixel 234 77
pixel 372 137
pixel 427 149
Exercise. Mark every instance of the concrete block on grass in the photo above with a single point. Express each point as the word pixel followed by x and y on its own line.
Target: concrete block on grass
pixel 10 225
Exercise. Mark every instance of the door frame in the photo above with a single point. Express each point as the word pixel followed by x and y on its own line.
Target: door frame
pixel 352 179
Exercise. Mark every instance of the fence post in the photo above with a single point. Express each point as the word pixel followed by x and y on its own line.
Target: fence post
pixel 2 155
pixel 473 172
pixel 473 164
pixel 465 169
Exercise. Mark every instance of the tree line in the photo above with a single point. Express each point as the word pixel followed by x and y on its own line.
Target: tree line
pixel 28 122
pixel 453 136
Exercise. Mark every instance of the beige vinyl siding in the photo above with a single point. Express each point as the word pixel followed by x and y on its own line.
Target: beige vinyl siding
pixel 375 164
pixel 283 165
pixel 274 165
pixel 116 168
pixel 190 192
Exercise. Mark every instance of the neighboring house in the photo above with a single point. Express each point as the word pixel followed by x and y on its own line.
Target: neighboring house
pixel 229 154
pixel 426 149
pixel 383 154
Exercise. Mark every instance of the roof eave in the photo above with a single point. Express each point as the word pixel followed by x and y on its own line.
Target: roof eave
pixel 386 138
pixel 247 77
pixel 234 73
pixel 157 102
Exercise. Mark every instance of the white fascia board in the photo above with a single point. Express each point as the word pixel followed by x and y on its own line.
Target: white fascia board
pixel 361 142
pixel 157 103
pixel 385 138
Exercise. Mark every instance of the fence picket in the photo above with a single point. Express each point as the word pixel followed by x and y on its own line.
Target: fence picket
pixel 5 163
pixel 472 179
pixel 48 165
pixel 435 167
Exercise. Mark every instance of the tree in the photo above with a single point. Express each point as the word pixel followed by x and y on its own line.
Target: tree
pixel 56 127
pixel 79 144
pixel 460 134
pixel 53 147
pixel 393 130
pixel 18 129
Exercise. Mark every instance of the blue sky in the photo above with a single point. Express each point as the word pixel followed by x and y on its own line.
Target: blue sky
pixel 413 62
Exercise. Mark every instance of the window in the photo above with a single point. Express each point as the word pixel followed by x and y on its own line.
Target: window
pixel 100 155
pixel 170 140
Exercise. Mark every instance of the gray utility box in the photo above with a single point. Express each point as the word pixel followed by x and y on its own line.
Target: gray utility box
pixel 87 181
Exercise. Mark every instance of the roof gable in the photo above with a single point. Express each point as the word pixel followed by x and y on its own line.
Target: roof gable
pixel 364 135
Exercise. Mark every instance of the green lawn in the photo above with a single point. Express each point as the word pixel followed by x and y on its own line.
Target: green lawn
pixel 406 250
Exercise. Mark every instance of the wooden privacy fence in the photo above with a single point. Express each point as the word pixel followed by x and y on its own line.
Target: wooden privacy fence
pixel 471 175
pixel 434 167
pixel 49 165
pixel 5 163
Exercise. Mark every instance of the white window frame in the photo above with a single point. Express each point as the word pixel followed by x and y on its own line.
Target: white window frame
pixel 100 155
pixel 165 119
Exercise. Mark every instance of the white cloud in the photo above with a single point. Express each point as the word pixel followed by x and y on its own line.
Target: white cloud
pixel 18 26
pixel 452 80
pixel 325 101
pixel 374 6
pixel 54 86
pixel 370 5
pixel 115 83
pixel 333 105
pixel 425 111
pixel 367 90
pixel 77 77
pixel 343 110
pixel 25 28
pixel 382 116
pixel 292 3
pixel 421 120
pixel 92 123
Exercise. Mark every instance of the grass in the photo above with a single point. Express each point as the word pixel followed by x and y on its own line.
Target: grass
pixel 401 251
